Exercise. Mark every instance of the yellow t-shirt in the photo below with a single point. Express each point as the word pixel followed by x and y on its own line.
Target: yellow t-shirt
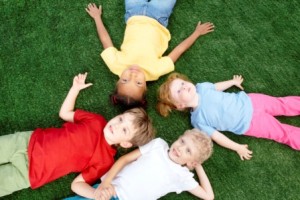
pixel 145 41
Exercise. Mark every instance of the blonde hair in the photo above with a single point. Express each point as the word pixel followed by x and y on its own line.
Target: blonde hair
pixel 165 103
pixel 203 144
pixel 142 123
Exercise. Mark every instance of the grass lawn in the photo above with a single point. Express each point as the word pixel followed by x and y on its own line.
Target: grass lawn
pixel 43 44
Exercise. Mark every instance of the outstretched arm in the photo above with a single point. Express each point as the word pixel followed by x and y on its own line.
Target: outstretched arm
pixel 204 190
pixel 96 13
pixel 67 109
pixel 241 149
pixel 237 80
pixel 201 29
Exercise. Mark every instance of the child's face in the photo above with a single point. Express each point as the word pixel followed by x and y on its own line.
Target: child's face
pixel 183 150
pixel 182 92
pixel 120 129
pixel 132 82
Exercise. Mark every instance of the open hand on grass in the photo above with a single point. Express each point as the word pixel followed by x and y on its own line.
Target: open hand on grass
pixel 238 80
pixel 202 29
pixel 244 152
pixel 93 10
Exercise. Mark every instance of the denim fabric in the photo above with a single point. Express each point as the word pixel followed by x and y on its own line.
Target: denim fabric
pixel 159 10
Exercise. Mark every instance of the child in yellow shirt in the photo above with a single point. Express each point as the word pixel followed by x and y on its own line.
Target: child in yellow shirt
pixel 146 38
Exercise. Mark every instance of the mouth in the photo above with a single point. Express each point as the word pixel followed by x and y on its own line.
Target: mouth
pixel 134 69
pixel 175 153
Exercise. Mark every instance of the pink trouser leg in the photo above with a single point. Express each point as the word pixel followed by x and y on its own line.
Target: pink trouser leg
pixel 265 125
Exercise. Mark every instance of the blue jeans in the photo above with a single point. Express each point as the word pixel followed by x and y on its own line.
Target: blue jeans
pixel 159 10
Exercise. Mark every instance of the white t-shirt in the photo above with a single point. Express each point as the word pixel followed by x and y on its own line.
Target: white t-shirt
pixel 153 175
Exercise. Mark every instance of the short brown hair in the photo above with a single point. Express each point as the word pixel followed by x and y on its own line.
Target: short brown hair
pixel 203 144
pixel 165 103
pixel 145 131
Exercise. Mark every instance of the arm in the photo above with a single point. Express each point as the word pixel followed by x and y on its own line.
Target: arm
pixel 241 149
pixel 237 81
pixel 96 13
pixel 114 170
pixel 67 109
pixel 204 190
pixel 201 29
pixel 80 187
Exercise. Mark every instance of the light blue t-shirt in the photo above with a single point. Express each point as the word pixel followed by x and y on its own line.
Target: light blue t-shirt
pixel 221 111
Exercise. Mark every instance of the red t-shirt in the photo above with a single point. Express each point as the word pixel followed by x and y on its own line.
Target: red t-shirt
pixel 76 147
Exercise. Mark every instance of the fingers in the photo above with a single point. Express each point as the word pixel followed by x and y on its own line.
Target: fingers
pixel 92 7
pixel 82 76
pixel 206 24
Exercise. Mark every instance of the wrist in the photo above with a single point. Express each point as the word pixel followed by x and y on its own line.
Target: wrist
pixel 74 89
pixel 97 19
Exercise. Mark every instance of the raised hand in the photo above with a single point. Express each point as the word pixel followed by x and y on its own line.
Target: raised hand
pixel 79 82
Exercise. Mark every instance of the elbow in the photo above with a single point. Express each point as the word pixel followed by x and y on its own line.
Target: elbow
pixel 211 197
pixel 73 186
pixel 61 114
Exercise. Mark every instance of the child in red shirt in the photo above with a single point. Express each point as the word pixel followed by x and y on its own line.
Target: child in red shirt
pixel 85 143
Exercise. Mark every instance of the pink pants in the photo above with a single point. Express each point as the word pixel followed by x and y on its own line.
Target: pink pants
pixel 265 125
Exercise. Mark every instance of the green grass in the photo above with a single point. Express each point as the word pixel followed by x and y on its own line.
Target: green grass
pixel 43 44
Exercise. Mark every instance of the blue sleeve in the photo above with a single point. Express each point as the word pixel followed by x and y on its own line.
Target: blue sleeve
pixel 206 129
pixel 205 86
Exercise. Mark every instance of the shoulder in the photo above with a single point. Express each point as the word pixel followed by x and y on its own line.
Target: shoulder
pixel 156 143
pixel 81 115
pixel 205 85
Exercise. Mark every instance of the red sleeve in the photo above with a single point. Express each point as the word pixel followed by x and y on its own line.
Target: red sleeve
pixel 94 173
pixel 81 115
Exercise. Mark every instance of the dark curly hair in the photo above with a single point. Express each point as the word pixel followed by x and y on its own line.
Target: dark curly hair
pixel 126 101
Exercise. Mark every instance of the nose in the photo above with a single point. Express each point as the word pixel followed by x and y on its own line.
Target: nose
pixel 133 74
pixel 179 150
pixel 116 127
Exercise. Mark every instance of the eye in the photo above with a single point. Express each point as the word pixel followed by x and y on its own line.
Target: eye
pixel 139 83
pixel 124 80
pixel 182 141
pixel 124 130
pixel 121 119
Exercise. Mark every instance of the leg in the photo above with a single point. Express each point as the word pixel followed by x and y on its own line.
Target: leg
pixel 14 162
pixel 156 9
pixel 161 10
pixel 134 7
pixel 276 106
pixel 264 125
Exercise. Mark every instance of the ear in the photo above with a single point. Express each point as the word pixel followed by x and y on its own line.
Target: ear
pixel 126 144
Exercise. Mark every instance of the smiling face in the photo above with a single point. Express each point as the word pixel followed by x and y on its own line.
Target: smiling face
pixel 183 93
pixel 120 130
pixel 183 151
pixel 132 82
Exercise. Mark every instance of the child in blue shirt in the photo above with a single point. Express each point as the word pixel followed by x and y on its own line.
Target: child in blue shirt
pixel 213 110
